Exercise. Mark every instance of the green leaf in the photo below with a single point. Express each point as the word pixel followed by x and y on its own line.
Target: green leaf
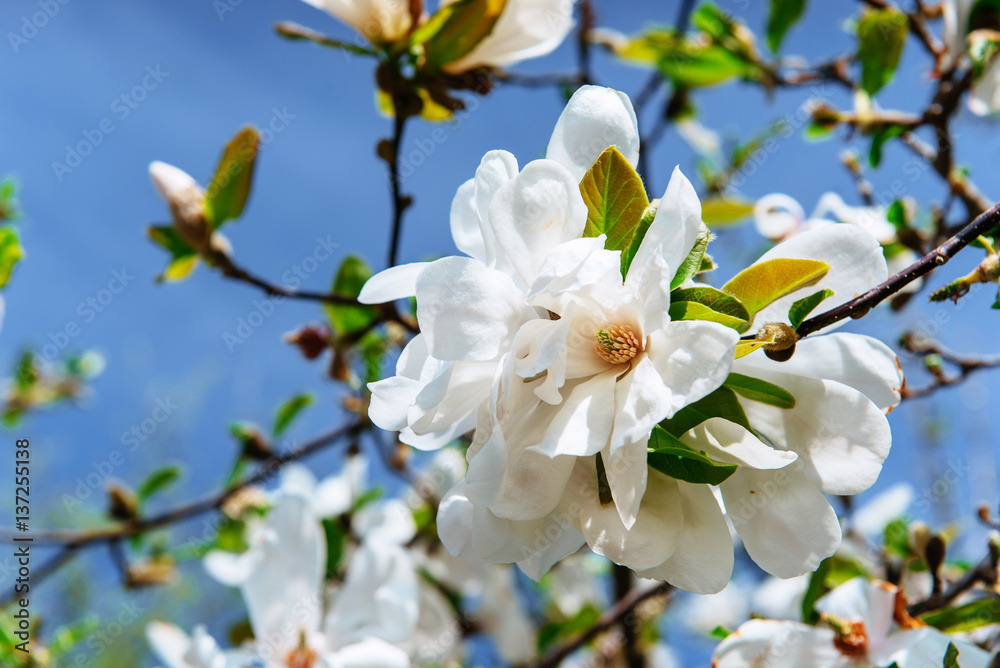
pixel 10 252
pixel 229 189
pixel 349 319
pixel 814 591
pixel 783 15
pixel 765 282
pixel 373 494
pixel 996 304
pixel 896 537
pixel 157 481
pixel 668 455
pixel 964 617
pixel 879 138
pixel 691 264
pixel 722 403
pixel 603 486
pixel 183 258
pixel 950 657
pixel 336 540
pixel 455 29
pixel 756 389
pixel 705 303
pixel 719 633
pixel 692 65
pixel 289 411
pixel 615 198
pixel 553 631
pixel 744 348
pixel 801 309
pixel 881 36
pixel 640 233
pixel 723 211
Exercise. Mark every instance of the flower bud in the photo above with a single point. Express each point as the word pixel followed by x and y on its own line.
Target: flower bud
pixel 783 339
pixel 187 203
pixel 122 503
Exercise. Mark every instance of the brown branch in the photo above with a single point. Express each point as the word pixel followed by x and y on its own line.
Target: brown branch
pixel 400 202
pixel 985 571
pixel 859 306
pixel 966 364
pixel 613 616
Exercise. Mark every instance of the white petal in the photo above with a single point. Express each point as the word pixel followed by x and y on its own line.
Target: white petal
pixel 703 560
pixel 170 180
pixel 731 443
pixel 840 456
pixel 465 228
pixel 168 642
pixel 466 310
pixel 391 399
pixel 394 283
pixel 674 230
pixel 766 643
pixel 231 569
pixel 387 521
pixel 656 532
pixel 533 213
pixel 333 495
pixel 575 264
pixel 889 504
pixel 786 524
pixel 377 20
pixel 627 475
pixel 369 653
pixel 525 29
pixel 777 216
pixel 495 170
pixel 859 361
pixel 856 266
pixel 594 119
pixel 583 423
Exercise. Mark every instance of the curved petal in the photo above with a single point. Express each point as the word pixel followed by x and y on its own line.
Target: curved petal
pixel 674 230
pixel 465 229
pixel 594 119
pixel 466 310
pixel 731 443
pixel 377 20
pixel 525 29
pixel 533 213
pixel 582 424
pixel 777 216
pixel 387 521
pixel 855 259
pixel 766 643
pixel 391 400
pixel 786 524
pixel 168 642
pixel 858 361
pixel 627 475
pixel 703 560
pixel 840 456
pixel 495 170
pixel 394 283
pixel 170 180
pixel 368 653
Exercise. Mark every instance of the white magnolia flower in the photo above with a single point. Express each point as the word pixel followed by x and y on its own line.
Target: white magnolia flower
pixel 380 21
pixel 858 628
pixel 199 650
pixel 281 579
pixel 330 497
pixel 956 27
pixel 526 29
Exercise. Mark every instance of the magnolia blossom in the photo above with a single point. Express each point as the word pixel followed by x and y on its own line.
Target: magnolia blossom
pixel 525 28
pixel 281 579
pixel 861 625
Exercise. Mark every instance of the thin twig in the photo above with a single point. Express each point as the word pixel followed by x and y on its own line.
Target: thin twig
pixel 399 201
pixel 859 306
pixel 613 616
pixel 966 364
pixel 985 571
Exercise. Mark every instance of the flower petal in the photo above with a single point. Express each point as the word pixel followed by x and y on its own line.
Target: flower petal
pixel 582 424
pixel 786 524
pixel 594 119
pixel 674 230
pixel 394 283
pixel 766 643
pixel 465 229
pixel 731 443
pixel 703 560
pixel 466 310
pixel 368 653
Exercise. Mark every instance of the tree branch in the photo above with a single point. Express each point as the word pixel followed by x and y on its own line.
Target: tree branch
pixel 966 364
pixel 399 201
pixel 859 306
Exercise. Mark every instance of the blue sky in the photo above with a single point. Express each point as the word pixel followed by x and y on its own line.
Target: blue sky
pixel 145 80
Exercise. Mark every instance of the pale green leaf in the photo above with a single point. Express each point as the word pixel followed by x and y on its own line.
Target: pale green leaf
pixel 629 252
pixel 783 15
pixel 718 211
pixel 881 36
pixel 157 481
pixel 801 309
pixel 456 29
pixel 691 264
pixel 289 411
pixel 761 284
pixel 964 617
pixel 756 389
pixel 615 198
pixel 10 252
pixel 349 319
pixel 229 189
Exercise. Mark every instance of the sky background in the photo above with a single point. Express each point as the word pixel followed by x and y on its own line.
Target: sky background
pixel 318 178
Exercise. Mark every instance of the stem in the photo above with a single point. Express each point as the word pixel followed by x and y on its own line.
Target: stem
pixel 615 615
pixel 399 201
pixel 858 306
pixel 630 645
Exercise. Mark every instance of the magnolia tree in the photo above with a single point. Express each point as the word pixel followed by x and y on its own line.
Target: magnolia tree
pixel 594 422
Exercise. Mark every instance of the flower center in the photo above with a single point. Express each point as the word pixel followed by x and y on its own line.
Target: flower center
pixel 851 636
pixel 617 343
pixel 303 657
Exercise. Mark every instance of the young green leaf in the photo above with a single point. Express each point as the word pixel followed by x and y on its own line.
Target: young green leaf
pixel 783 15
pixel 881 36
pixel 691 264
pixel 699 311
pixel 615 198
pixel 348 319
pixel 879 138
pixel 705 303
pixel 229 189
pixel 668 455
pixel 603 486
pixel 336 541
pixel 722 403
pixel 765 282
pixel 745 347
pixel 801 309
pixel 718 211
pixel 157 481
pixel 629 252
pixel 756 389
pixel 456 29
pixel 964 617
pixel 10 252
pixel 289 411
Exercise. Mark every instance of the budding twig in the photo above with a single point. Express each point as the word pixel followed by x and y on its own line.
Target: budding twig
pixel 966 364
